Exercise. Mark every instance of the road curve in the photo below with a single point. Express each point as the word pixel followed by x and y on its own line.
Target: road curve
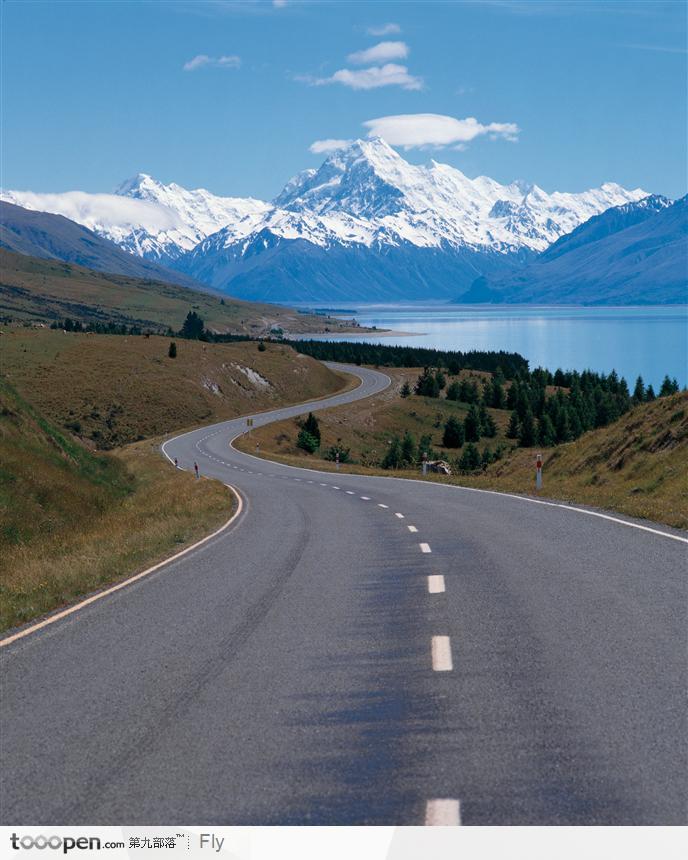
pixel 362 650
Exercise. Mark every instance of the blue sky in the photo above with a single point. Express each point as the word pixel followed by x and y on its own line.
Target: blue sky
pixel 231 95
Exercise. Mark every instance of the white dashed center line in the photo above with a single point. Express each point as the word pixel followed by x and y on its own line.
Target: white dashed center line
pixel 401 516
pixel 382 506
pixel 436 583
pixel 424 547
pixel 350 493
pixel 443 813
pixel 412 528
pixel 441 654
pixel 365 498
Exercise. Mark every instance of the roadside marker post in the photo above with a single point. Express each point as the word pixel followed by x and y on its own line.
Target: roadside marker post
pixel 424 467
pixel 336 460
pixel 249 424
pixel 538 471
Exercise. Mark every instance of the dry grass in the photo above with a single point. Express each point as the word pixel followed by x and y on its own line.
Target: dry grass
pixel 637 466
pixel 111 390
pixel 165 510
pixel 72 519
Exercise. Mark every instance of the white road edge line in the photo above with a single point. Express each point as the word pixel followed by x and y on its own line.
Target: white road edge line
pixel 443 812
pixel 412 528
pixel 108 591
pixel 436 583
pixel 424 547
pixel 441 654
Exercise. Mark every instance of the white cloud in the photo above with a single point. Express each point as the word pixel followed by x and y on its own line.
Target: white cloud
pixel 383 52
pixel 279 4
pixel 388 75
pixel 432 129
pixel 328 145
pixel 99 210
pixel 384 30
pixel 225 62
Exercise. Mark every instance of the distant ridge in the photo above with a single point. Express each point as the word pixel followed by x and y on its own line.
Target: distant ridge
pixel 53 237
pixel 631 254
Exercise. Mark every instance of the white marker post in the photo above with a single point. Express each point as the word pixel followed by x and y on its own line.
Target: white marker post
pixel 336 460
pixel 424 467
pixel 538 471
pixel 249 424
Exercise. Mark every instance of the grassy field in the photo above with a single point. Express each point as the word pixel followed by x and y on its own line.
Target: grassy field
pixel 111 390
pixel 37 290
pixel 636 466
pixel 74 519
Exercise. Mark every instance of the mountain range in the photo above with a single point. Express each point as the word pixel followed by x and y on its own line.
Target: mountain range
pixel 365 225
pixel 631 254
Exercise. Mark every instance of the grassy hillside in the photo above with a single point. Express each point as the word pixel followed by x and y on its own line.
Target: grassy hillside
pixel 72 521
pixel 113 390
pixel 44 290
pixel 72 518
pixel 637 465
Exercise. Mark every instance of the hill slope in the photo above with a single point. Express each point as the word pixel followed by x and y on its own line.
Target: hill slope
pixel 631 254
pixel 53 237
pixel 112 390
pixel 45 290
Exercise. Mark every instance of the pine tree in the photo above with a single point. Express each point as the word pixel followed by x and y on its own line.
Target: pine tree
pixel 392 458
pixel 546 435
pixel 408 449
pixel 526 436
pixel 307 442
pixel 487 425
pixel 650 394
pixel 471 425
pixel 470 458
pixel 453 436
pixel 405 390
pixel 261 347
pixel 512 429
pixel 193 326
pixel 454 391
pixel 172 351
pixel 486 457
pixel 310 425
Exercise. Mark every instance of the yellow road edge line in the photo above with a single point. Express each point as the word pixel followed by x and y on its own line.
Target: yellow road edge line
pixel 94 597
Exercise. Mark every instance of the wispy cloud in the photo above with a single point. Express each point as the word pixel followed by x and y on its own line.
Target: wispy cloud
pixel 328 145
pixel 372 78
pixel 279 4
pixel 384 30
pixel 99 210
pixel 664 49
pixel 200 60
pixel 383 52
pixel 436 130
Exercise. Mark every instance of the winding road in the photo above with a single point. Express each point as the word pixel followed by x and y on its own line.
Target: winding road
pixel 363 650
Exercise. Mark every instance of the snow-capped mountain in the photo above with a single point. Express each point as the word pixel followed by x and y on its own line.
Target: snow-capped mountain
pixel 417 231
pixel 151 220
pixel 630 254
pixel 198 214
pixel 365 224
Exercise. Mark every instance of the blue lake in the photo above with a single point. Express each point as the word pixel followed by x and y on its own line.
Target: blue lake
pixel 646 341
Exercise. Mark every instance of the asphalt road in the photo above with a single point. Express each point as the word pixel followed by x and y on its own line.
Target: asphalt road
pixel 298 668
